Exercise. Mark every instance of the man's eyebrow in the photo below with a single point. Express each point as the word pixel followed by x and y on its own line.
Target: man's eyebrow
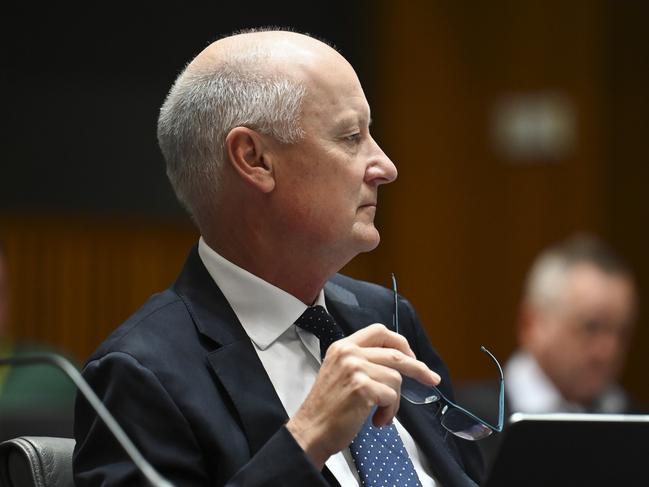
pixel 368 118
pixel 353 120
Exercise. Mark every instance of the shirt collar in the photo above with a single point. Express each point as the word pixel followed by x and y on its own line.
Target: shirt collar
pixel 265 311
pixel 529 390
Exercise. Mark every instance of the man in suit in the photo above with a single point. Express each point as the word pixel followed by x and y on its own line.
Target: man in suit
pixel 230 376
pixel 575 323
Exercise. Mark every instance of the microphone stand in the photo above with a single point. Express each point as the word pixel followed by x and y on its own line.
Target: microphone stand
pixel 152 476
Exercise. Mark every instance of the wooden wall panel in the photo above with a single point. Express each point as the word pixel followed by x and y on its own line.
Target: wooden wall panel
pixel 75 279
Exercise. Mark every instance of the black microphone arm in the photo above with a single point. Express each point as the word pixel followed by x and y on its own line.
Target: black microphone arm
pixel 152 476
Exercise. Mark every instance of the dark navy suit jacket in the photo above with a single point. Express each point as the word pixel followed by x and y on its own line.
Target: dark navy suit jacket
pixel 184 381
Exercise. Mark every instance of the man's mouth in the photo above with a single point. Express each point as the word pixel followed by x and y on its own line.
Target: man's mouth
pixel 371 203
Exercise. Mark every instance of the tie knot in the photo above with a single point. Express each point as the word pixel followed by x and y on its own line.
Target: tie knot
pixel 317 321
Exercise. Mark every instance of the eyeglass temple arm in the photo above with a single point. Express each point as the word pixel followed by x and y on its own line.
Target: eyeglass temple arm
pixel 501 399
pixel 501 391
pixel 395 315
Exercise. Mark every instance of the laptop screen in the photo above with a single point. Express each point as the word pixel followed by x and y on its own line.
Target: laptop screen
pixel 572 450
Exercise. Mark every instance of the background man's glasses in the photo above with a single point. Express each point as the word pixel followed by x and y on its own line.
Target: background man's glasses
pixel 454 418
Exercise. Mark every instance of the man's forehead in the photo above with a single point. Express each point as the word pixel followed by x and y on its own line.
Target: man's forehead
pixel 589 288
pixel 587 276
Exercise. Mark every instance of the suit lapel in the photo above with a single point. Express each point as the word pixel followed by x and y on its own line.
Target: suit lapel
pixel 238 369
pixel 234 361
pixel 343 306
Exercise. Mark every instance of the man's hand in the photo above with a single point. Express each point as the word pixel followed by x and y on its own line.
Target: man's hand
pixel 358 372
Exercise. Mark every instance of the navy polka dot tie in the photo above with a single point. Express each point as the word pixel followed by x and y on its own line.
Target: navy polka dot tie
pixel 379 454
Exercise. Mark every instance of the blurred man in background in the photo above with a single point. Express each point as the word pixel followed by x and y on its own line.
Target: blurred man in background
pixel 576 318
pixel 35 399
pixel 576 321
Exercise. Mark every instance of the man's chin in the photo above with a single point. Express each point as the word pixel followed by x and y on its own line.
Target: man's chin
pixel 364 238
pixel 369 239
pixel 587 395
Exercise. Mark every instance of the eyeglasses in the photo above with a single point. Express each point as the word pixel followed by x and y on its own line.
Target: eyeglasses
pixel 454 418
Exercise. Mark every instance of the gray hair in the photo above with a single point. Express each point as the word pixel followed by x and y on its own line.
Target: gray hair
pixel 545 278
pixel 205 104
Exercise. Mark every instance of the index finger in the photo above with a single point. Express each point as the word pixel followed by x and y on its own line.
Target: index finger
pixel 378 335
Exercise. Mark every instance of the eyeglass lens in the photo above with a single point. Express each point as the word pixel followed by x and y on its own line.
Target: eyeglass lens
pixel 458 423
pixel 416 392
pixel 453 419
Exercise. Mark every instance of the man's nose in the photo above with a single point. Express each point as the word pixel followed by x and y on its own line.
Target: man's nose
pixel 607 347
pixel 381 169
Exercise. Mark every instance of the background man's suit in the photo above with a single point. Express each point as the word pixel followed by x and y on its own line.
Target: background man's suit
pixel 185 382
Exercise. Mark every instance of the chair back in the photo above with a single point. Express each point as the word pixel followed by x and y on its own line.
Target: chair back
pixel 36 461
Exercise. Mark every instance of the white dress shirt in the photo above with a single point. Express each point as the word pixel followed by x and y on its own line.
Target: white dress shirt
pixel 529 390
pixel 290 355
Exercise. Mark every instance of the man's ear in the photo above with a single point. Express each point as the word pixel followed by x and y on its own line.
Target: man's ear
pixel 248 155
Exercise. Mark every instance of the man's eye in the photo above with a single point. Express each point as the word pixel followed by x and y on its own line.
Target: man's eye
pixel 353 137
pixel 592 327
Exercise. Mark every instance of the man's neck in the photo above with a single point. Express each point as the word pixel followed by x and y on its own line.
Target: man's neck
pixel 300 277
